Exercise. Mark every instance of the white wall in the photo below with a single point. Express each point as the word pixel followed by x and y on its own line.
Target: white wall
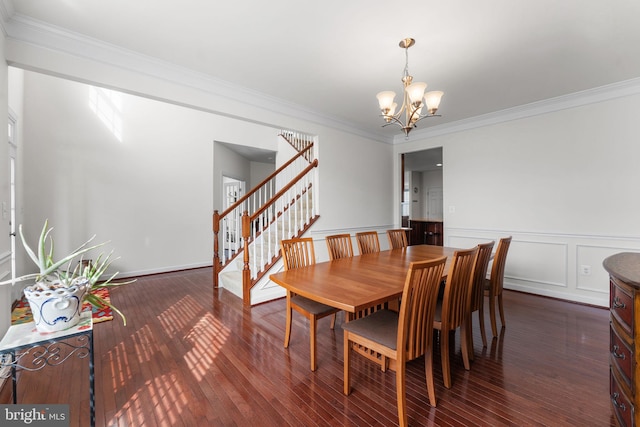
pixel 149 194
pixel 363 178
pixel 356 183
pixel 259 171
pixel 564 184
pixel 152 195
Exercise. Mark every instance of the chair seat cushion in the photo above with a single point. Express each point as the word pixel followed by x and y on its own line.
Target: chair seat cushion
pixel 381 327
pixel 312 306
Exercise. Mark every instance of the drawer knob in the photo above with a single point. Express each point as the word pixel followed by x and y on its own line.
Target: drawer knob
pixel 618 304
pixel 616 354
pixel 617 404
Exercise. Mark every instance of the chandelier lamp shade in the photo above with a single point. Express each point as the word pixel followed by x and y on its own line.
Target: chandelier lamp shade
pixel 416 104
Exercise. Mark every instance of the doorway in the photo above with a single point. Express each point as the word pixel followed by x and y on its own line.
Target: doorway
pixel 423 185
pixel 232 190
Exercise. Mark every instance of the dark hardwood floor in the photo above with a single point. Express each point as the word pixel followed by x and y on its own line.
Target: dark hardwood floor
pixel 193 357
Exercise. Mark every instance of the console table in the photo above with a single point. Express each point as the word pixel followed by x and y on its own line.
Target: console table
pixel 24 347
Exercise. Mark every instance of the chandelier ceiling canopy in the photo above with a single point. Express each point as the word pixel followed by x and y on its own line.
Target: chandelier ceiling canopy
pixel 414 99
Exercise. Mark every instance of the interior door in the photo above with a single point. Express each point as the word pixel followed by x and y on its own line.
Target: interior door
pixel 435 204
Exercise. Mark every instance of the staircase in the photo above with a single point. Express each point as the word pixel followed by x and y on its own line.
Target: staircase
pixel 247 235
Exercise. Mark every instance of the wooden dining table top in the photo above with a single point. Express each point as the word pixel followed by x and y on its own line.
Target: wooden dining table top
pixel 355 283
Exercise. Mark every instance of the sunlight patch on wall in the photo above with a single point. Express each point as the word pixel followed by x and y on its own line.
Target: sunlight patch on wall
pixel 107 105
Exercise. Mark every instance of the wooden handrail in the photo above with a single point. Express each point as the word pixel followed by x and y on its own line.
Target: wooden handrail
pixel 264 181
pixel 284 189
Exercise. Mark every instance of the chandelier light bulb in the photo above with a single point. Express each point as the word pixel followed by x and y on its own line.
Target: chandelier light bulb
pixel 416 92
pixel 385 99
pixel 432 99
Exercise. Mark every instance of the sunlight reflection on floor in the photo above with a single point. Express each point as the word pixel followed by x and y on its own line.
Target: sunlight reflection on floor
pixel 207 336
pixel 185 320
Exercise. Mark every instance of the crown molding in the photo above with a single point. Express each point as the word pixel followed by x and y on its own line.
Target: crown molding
pixel 6 12
pixel 28 30
pixel 573 100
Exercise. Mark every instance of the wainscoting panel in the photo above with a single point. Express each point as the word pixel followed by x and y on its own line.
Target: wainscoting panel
pixel 589 271
pixel 538 263
pixel 529 261
pixel 563 266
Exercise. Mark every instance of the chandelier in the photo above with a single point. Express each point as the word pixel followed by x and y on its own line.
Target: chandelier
pixel 412 100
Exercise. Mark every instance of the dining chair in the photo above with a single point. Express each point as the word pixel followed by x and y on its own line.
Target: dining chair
pixel 298 253
pixel 401 336
pixel 339 246
pixel 493 286
pixel 452 309
pixel 476 297
pixel 368 242
pixel 397 239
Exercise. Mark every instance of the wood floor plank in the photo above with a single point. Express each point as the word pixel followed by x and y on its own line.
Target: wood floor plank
pixel 190 356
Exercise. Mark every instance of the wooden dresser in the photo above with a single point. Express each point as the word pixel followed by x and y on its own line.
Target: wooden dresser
pixel 624 341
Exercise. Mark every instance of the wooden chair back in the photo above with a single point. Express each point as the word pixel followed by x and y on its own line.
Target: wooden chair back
pixel 419 298
pixel 339 246
pixel 453 313
pixel 479 276
pixel 457 288
pixel 476 294
pixel 412 327
pixel 497 269
pixel 397 239
pixel 368 242
pixel 297 252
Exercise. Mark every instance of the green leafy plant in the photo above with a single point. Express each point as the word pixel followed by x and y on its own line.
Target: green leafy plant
pixel 62 274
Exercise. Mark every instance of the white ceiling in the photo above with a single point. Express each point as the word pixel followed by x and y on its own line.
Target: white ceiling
pixel 333 56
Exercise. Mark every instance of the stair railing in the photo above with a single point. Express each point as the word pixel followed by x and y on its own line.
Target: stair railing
pixel 289 213
pixel 266 206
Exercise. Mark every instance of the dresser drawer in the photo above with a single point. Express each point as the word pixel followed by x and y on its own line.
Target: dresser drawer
pixel 621 355
pixel 621 305
pixel 622 407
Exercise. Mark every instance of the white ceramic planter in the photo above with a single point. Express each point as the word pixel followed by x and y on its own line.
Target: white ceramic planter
pixel 55 307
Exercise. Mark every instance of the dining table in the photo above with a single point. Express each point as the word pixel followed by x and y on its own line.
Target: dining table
pixel 356 283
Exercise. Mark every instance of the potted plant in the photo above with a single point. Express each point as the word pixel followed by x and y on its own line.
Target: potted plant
pixel 62 285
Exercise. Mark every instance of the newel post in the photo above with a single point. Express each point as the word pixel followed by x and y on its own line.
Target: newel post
pixel 216 257
pixel 246 271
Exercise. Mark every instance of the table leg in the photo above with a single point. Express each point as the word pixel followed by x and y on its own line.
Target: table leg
pixel 92 397
pixel 14 377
